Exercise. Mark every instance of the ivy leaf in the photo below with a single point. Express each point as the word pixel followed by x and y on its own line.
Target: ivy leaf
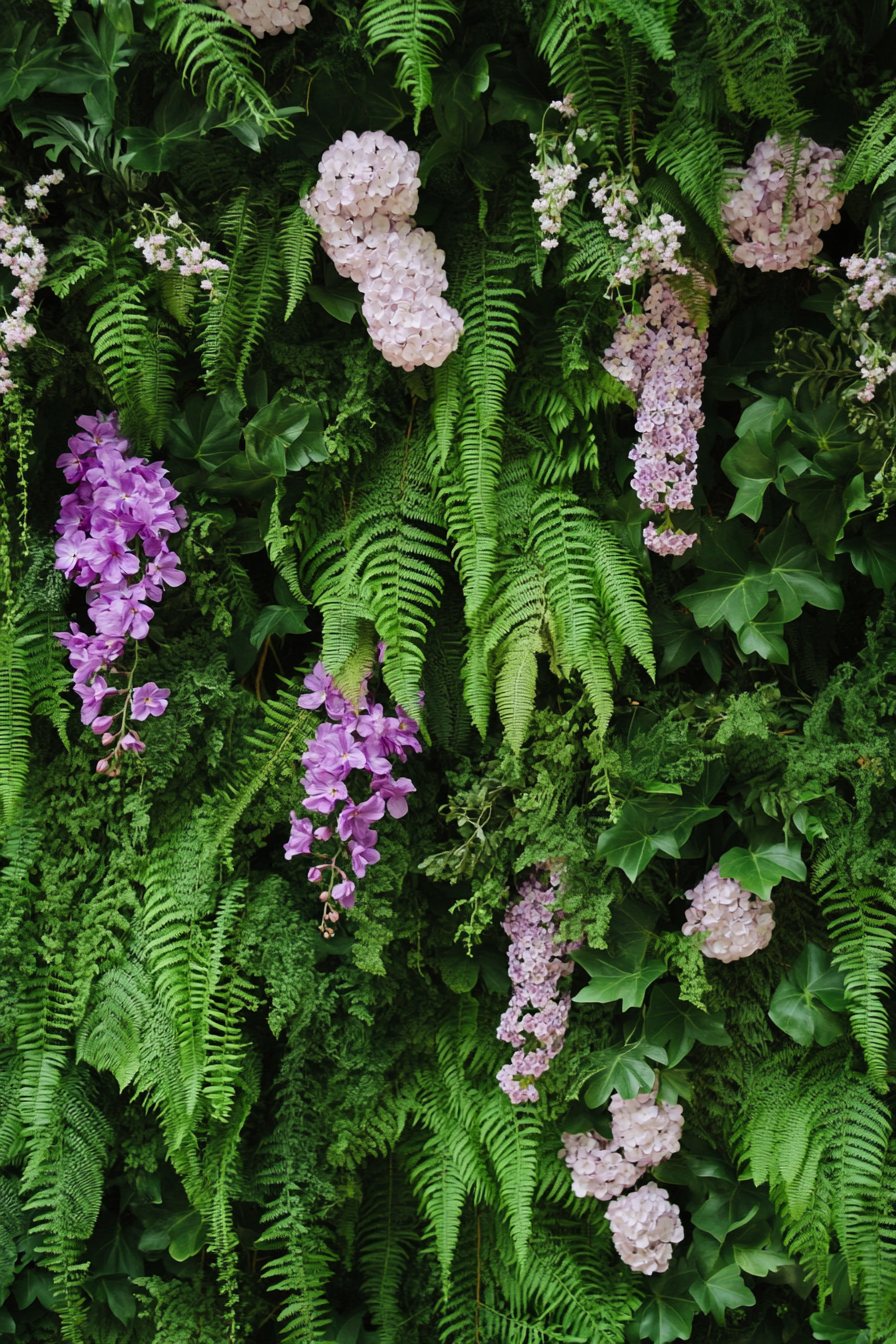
pixel 677 1025
pixel 837 1329
pixel 807 999
pixel 874 554
pixel 610 981
pixel 721 1213
pixel 765 635
pixel 734 587
pixel 208 429
pixel 636 836
pixel 725 1288
pixel 758 1260
pixel 668 1313
pixel 751 465
pixel 623 1069
pixel 825 506
pixel 769 857
pixel 796 573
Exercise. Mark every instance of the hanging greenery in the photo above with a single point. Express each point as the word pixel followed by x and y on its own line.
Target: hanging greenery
pixel 447 671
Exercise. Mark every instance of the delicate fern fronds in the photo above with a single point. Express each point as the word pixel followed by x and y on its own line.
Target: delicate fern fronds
pixel 872 155
pixel 649 20
pixel 415 31
pixel 297 239
pixel 15 724
pixel 387 1229
pixel 213 51
pixel 700 158
pixel 582 64
pixel 154 391
pixel 512 1136
pixel 862 926
pixel 234 322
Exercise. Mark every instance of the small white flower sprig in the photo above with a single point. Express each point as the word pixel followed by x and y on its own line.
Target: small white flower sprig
pixel 172 247
pixel 24 255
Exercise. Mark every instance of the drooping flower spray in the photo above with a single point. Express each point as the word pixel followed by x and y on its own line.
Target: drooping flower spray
pixel 24 255
pixel 536 962
pixel 350 744
pixel 114 529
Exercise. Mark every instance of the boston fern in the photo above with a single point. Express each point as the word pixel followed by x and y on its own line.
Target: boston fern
pixel 242 1103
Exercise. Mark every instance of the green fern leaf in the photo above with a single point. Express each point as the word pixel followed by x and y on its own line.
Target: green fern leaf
pixel 415 31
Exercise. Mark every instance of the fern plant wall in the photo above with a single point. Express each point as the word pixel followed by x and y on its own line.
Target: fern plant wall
pixel 447 671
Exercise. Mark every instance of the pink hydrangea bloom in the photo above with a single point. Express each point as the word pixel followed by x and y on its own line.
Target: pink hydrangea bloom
pixel 737 922
pixel 645 1227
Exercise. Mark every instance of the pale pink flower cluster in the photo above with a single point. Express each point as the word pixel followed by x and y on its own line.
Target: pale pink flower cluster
pixel 564 106
pixel 645 1133
pixel 598 1168
pixel 780 207
pixel 614 197
pixel 738 924
pixel 878 276
pixel 535 960
pixel 363 203
pixel 23 255
pixel 181 250
pixel 556 181
pixel 268 17
pixel 875 366
pixel 645 1227
pixel 659 355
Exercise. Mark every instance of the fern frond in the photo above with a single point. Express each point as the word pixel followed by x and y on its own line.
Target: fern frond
pixel 650 22
pixel 297 238
pixel 872 155
pixel 862 926
pixel 233 323
pixel 700 158
pixel 415 31
pixel 215 52
pixel 15 724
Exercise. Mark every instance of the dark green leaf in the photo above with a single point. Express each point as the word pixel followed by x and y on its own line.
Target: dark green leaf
pixel 873 553
pixel 668 1312
pixel 277 621
pixel 677 1024
pixel 751 465
pixel 208 429
pixel 734 587
pixel 722 1212
pixel 338 305
pixel 623 1069
pixel 725 1288
pixel 796 574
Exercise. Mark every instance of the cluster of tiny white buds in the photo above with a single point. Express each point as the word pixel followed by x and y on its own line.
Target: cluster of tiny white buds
pixel 267 18
pixel 24 256
pixel 738 924
pixel 781 206
pixel 179 251
pixel 555 181
pixel 614 197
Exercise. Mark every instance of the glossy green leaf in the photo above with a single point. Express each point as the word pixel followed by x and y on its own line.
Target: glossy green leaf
pixel 759 1261
pixel 277 620
pixel 873 553
pixel 723 1212
pixel 795 572
pixel 623 1069
pixel 768 857
pixel 751 465
pixel 764 635
pixel 722 1290
pixel 338 305
pixel 610 982
pixel 734 586
pixel 638 834
pixel 208 429
pixel 807 1000
pixel 668 1313
pixel 837 1329
pixel 678 1025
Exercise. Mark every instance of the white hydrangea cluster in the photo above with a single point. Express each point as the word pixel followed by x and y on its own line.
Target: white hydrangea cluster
pixel 363 203
pixel 267 18
pixel 645 1227
pixel 737 923
pixel 598 1168
pixel 780 207
pixel 648 1131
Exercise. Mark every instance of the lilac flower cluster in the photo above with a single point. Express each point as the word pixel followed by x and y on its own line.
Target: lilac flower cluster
pixel 875 283
pixel 738 923
pixel 349 740
pixel 878 277
pixel 780 206
pixel 268 17
pixel 645 1133
pixel 645 1227
pixel 659 355
pixel 535 960
pixel 118 504
pixel 363 203
pixel 653 245
pixel 181 248
pixel 26 258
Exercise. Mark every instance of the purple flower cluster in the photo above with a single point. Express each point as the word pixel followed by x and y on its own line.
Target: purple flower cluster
pixel 536 965
pixel 118 503
pixel 349 740
pixel 659 355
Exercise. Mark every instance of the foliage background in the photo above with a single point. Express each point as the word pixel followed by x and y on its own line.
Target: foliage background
pixel 213 1125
